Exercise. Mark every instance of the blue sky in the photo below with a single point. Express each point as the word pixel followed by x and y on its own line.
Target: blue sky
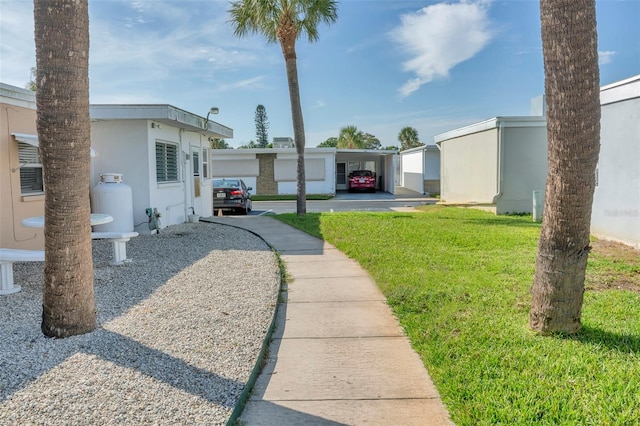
pixel 383 65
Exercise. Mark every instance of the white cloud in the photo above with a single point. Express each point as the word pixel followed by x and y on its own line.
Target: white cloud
pixel 241 84
pixel 440 36
pixel 141 42
pixel 604 57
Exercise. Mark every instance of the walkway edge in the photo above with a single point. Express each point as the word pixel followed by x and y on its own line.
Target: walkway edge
pixel 266 342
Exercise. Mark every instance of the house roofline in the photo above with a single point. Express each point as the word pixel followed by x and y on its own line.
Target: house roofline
pixel 420 148
pixel 17 96
pixel 367 151
pixel 232 151
pixel 163 113
pixel 620 91
pixel 492 123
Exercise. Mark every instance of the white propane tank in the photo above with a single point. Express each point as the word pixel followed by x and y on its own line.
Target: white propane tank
pixel 111 196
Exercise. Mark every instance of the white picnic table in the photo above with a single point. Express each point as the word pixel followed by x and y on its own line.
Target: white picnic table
pixel 9 256
pixel 38 221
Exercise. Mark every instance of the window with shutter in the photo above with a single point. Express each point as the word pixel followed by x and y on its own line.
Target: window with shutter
pixel 30 169
pixel 205 163
pixel 166 162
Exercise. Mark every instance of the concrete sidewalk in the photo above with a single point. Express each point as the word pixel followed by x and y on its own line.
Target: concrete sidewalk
pixel 338 355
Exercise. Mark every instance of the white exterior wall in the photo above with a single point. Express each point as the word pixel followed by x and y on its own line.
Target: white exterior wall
pixel 238 163
pixel 244 164
pixel 499 162
pixel 432 164
pixel 128 147
pixel 469 168
pixel 524 168
pixel 389 184
pixel 616 203
pixel 168 198
pixel 413 170
pixel 320 171
pixel 120 146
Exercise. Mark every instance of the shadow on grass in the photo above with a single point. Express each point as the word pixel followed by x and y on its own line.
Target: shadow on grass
pixel 595 336
pixel 309 223
pixel 503 221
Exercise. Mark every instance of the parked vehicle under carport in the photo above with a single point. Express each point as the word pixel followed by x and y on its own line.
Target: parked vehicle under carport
pixel 362 180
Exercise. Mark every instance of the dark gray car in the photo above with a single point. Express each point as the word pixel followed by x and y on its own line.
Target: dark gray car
pixel 231 194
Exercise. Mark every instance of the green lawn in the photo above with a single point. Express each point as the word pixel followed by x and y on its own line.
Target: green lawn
pixel 459 280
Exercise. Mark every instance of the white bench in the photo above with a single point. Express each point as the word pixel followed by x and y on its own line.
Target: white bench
pixel 7 259
pixel 119 240
pixel 9 256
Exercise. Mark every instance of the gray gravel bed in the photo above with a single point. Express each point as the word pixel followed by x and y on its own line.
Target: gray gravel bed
pixel 179 332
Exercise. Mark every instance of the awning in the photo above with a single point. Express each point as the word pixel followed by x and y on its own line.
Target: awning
pixel 33 140
pixel 26 138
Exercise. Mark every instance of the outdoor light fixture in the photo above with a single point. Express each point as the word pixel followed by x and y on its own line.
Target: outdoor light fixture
pixel 213 110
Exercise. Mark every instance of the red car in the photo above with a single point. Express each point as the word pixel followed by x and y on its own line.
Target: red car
pixel 362 180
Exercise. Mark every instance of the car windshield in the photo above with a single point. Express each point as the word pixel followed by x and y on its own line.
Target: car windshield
pixel 362 173
pixel 225 183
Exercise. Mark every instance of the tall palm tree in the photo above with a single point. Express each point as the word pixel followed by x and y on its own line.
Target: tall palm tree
pixel 572 88
pixel 408 138
pixel 284 21
pixel 62 100
pixel 351 138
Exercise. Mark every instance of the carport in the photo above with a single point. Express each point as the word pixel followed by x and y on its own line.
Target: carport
pixel 378 161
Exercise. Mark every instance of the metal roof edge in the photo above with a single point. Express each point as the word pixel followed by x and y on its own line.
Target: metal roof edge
pixel 509 121
pixel 18 96
pixel 367 151
pixel 274 150
pixel 620 90
pixel 425 147
pixel 160 112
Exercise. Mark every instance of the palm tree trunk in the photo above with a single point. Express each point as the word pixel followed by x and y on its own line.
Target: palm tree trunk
pixel 62 62
pixel 298 123
pixel 572 91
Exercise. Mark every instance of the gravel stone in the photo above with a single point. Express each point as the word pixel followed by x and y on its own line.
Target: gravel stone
pixel 179 332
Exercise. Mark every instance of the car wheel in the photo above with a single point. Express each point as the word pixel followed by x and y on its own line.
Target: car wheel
pixel 249 205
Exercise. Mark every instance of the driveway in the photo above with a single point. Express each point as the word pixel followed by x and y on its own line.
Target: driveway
pixel 345 201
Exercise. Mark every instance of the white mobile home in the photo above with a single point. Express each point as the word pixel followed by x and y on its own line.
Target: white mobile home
pixel 616 201
pixel 161 151
pixel 495 164
pixel 163 154
pixel 421 169
pixel 273 171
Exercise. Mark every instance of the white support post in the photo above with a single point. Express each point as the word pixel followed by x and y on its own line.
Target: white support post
pixel 6 279
pixel 119 251
pixel 538 205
